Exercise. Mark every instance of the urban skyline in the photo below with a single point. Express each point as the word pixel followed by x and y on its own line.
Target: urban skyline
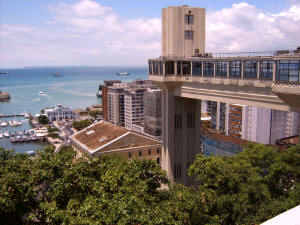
pixel 98 33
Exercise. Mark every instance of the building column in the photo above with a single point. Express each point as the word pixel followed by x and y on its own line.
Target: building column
pixel 191 69
pixel 218 115
pixel 214 68
pixel 242 69
pixel 258 70
pixel 274 71
pixel 202 69
pixel 180 145
pixel 168 113
pixel 164 68
pixel 228 70
pixel 175 68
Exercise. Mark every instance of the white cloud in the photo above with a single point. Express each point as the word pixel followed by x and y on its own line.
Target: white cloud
pixel 244 27
pixel 82 33
pixel 88 33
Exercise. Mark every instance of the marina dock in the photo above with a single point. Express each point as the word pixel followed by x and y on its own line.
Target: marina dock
pixel 15 115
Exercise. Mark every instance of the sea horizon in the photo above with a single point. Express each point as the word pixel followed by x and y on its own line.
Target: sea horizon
pixel 77 88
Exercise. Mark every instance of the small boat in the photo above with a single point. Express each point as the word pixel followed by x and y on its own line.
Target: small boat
pixel 57 74
pixel 3 124
pixel 1 135
pixel 41 93
pixel 6 134
pixel 4 72
pixel 14 123
pixel 99 94
pixel 27 115
pixel 30 152
pixel 123 73
pixel 19 133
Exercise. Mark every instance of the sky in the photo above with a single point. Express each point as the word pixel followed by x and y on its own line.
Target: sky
pixel 128 32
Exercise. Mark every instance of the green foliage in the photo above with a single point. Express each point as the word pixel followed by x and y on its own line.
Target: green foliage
pixel 49 188
pixel 42 119
pixel 79 125
pixel 95 113
pixel 53 135
pixel 251 186
pixel 53 129
pixel 56 189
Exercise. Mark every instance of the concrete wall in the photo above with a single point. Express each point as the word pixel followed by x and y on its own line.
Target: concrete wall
pixel 174 42
pixel 181 135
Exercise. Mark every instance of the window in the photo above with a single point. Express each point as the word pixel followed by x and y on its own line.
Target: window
pixel 250 69
pixel 208 68
pixel 160 65
pixel 197 68
pixel 178 67
pixel 150 67
pixel 221 69
pixel 189 35
pixel 235 69
pixel 149 152
pixel 155 67
pixel 288 70
pixel 158 160
pixel 169 68
pixel 189 19
pixel 266 69
pixel 158 150
pixel 140 153
pixel 129 155
pixel 186 68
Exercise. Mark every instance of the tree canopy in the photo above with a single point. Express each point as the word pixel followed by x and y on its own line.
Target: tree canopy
pixel 79 125
pixel 248 188
pixel 42 119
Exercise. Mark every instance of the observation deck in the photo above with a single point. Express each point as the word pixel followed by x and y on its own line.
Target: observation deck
pixel 265 79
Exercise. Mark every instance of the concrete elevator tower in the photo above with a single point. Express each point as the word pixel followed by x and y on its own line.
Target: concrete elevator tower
pixel 183 35
pixel 183 31
pixel 187 75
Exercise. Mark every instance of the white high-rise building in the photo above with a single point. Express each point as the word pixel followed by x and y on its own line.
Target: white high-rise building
pixel 134 106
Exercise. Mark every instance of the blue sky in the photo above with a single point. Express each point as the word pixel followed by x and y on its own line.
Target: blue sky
pixel 127 32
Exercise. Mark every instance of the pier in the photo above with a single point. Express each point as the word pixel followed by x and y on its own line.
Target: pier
pixel 15 115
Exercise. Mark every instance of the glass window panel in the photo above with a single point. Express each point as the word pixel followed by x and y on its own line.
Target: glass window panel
pixel 178 67
pixel 189 35
pixel 221 68
pixel 235 69
pixel 250 69
pixel 288 70
pixel 208 68
pixel 189 19
pixel 186 68
pixel 150 67
pixel 197 68
pixel 169 68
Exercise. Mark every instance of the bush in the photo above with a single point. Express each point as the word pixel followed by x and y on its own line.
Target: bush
pixel 53 135
pixel 79 125
pixel 95 113
pixel 42 119
pixel 52 129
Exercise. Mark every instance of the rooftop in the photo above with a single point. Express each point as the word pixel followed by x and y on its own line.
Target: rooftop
pixel 102 134
pixel 99 134
pixel 224 138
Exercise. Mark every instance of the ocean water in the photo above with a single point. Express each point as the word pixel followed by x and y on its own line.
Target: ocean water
pixel 75 89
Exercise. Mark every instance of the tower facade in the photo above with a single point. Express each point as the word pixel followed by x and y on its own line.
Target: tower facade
pixel 183 31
